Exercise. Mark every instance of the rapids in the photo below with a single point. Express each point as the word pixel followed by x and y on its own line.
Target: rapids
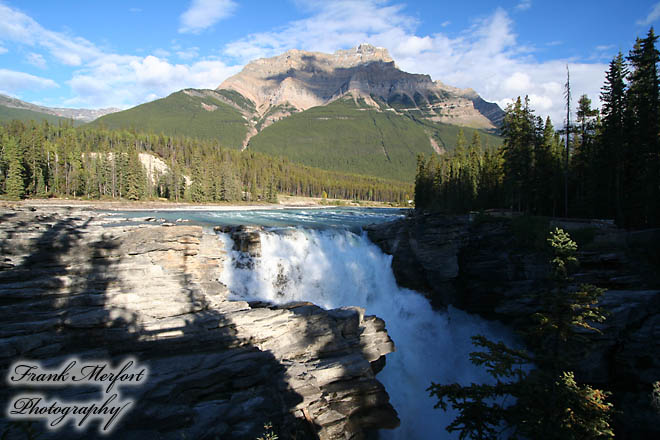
pixel 334 267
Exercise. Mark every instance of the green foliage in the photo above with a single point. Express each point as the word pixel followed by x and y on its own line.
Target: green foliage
pixel 564 253
pixel 613 168
pixel 192 114
pixel 269 433
pixel 534 395
pixel 467 178
pixel 345 136
pixel 10 114
pixel 655 397
pixel 13 157
pixel 97 163
pixel 519 133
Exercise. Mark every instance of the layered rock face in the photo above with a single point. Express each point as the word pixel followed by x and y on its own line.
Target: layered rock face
pixel 298 80
pixel 78 284
pixel 481 267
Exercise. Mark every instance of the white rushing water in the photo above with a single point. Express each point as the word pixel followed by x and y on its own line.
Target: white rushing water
pixel 335 268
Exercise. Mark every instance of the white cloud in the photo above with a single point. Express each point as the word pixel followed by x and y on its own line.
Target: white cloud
pixel 654 14
pixel 3 50
pixel 205 13
pixel 518 83
pixel 188 54
pixel 414 45
pixel 22 29
pixel 122 81
pixel 333 25
pixel 523 5
pixel 12 81
pixel 161 53
pixel 36 60
pixel 445 23
pixel 102 79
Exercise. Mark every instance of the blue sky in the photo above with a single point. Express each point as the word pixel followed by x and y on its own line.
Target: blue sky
pixel 94 54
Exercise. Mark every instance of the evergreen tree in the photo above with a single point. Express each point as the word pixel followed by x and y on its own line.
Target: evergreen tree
pixel 642 126
pixel 198 191
pixel 584 170
pixel 518 130
pixel 134 176
pixel 489 188
pixel 423 184
pixel 15 185
pixel 611 146
pixel 547 402
pixel 548 172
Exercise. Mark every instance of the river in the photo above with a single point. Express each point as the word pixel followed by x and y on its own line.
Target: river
pixel 322 256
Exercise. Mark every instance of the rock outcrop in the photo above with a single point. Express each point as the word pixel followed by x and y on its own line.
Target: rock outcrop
pixel 481 266
pixel 74 283
pixel 298 80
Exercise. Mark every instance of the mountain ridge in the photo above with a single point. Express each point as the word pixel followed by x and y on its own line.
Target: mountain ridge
pixel 78 114
pixel 301 80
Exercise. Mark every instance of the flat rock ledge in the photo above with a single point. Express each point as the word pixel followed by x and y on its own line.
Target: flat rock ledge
pixel 76 283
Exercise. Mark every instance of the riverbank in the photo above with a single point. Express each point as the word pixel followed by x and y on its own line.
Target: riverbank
pixel 286 202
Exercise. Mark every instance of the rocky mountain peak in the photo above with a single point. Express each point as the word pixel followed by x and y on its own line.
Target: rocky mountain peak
pixel 364 53
pixel 297 80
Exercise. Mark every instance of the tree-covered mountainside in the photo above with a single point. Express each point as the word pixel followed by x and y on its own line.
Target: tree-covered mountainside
pixel 202 114
pixel 9 114
pixel 349 135
pixel 42 160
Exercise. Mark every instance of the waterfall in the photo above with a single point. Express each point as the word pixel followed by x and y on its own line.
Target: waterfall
pixel 335 268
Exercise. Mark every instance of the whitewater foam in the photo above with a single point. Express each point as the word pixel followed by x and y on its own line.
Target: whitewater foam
pixel 335 268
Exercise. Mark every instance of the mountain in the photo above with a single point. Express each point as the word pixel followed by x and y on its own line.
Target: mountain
pixel 205 114
pixel 299 80
pixel 353 110
pixel 350 135
pixel 12 108
pixel 20 114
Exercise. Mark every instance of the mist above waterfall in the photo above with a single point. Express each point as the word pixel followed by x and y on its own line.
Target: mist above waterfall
pixel 334 268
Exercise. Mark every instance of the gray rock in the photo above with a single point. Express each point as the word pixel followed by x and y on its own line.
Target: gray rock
pixel 481 268
pixel 218 368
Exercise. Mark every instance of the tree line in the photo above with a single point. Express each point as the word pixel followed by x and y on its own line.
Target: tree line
pixel 605 165
pixel 45 160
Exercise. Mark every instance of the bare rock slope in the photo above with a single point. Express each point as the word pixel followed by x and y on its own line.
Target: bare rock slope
pixel 298 80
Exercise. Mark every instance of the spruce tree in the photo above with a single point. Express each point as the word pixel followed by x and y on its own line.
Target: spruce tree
pixel 518 130
pixel 547 402
pixel 611 145
pixel 583 164
pixel 643 126
pixel 15 185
